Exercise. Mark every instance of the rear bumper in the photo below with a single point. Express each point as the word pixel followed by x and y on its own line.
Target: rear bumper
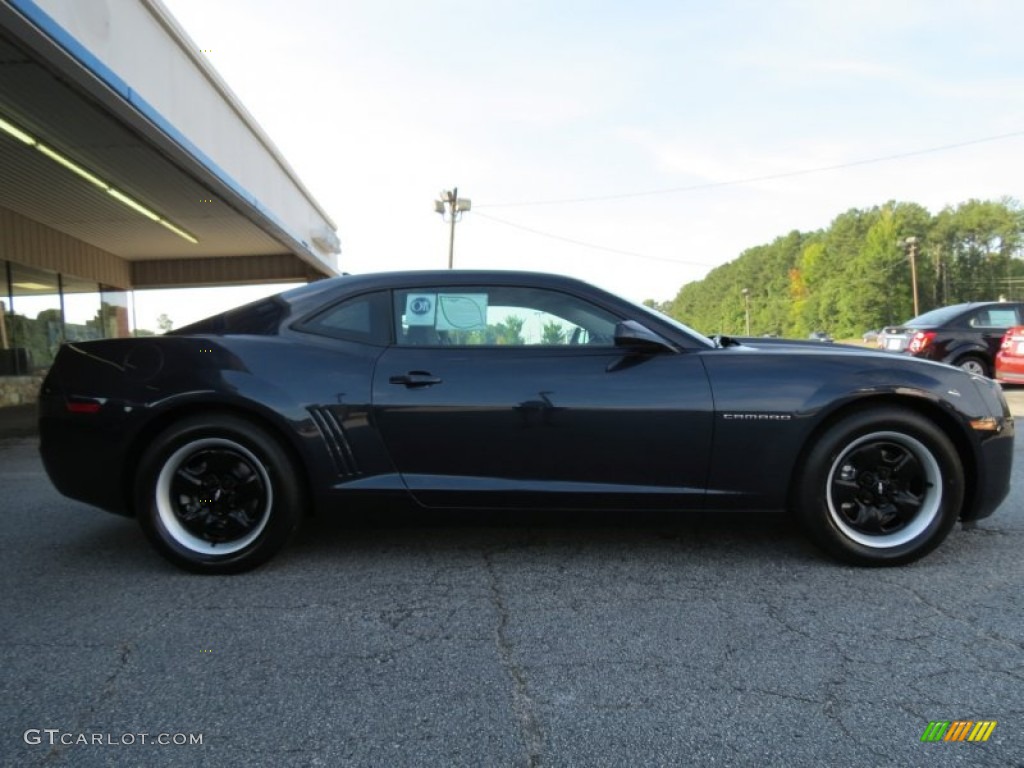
pixel 83 456
pixel 1010 369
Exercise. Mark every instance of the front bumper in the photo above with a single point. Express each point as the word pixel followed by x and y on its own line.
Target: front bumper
pixel 995 463
pixel 994 454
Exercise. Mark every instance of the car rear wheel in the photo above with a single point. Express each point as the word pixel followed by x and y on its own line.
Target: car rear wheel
pixel 216 494
pixel 973 364
pixel 880 487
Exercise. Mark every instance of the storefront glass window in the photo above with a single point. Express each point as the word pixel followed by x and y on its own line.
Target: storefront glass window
pixel 8 360
pixel 114 309
pixel 40 310
pixel 34 327
pixel 83 316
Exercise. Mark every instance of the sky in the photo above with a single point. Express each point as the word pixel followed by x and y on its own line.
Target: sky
pixel 634 144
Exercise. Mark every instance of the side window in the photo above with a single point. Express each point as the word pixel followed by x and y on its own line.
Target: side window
pixel 996 317
pixel 499 316
pixel 365 319
pixel 1000 317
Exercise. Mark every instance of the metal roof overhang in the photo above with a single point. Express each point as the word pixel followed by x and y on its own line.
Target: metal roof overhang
pixel 52 96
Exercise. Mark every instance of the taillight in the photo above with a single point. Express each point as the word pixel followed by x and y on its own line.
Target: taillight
pixel 1013 341
pixel 83 405
pixel 920 340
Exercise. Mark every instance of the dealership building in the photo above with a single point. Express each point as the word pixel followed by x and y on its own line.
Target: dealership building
pixel 127 163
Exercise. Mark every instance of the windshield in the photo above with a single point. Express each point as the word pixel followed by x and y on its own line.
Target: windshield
pixel 675 323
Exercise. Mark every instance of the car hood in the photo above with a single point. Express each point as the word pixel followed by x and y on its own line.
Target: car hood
pixel 772 343
pixel 801 348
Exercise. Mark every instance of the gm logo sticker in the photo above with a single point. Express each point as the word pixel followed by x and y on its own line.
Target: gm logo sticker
pixel 420 309
pixel 421 305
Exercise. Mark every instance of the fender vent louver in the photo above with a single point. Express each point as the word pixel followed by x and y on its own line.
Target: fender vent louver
pixel 335 439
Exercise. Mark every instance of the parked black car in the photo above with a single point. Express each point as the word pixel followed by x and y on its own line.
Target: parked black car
pixel 965 335
pixel 503 389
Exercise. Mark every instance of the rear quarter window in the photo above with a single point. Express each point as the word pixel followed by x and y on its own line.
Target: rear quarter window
pixel 365 319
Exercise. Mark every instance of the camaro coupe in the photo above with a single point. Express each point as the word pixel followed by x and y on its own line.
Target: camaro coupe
pixel 508 389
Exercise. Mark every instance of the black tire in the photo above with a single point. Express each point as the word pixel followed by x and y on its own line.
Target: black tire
pixel 974 364
pixel 217 494
pixel 880 487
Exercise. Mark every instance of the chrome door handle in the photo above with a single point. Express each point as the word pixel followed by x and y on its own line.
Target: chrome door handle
pixel 415 379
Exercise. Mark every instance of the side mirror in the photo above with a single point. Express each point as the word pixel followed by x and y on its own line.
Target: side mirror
pixel 637 338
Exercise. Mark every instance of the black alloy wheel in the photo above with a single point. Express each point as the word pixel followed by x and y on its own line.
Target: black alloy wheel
pixel 880 487
pixel 216 494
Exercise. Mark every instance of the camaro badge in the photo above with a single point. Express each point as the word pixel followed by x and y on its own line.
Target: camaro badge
pixel 757 416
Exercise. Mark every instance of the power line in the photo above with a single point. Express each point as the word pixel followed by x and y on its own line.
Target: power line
pixel 592 245
pixel 753 179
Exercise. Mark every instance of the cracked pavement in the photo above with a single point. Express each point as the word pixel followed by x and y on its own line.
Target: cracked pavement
pixel 512 639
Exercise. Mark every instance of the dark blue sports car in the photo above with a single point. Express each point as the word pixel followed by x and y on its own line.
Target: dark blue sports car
pixel 504 389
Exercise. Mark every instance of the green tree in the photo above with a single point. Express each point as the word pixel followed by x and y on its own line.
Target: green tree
pixel 660 306
pixel 507 332
pixel 979 244
pixel 855 274
pixel 553 333
pixel 870 289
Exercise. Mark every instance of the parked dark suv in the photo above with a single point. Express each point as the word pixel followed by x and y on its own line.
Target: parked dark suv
pixel 965 335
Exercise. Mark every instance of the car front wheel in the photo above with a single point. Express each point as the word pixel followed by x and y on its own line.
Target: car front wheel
pixel 973 364
pixel 216 494
pixel 880 487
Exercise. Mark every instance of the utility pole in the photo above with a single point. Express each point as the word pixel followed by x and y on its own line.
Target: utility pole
pixel 450 203
pixel 911 243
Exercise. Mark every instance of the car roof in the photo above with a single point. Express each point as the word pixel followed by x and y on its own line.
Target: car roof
pixel 413 278
pixel 941 315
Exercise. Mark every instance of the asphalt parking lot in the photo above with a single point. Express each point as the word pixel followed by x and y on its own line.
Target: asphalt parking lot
pixel 514 640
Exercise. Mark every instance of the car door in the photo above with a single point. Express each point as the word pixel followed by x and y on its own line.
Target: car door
pixel 501 396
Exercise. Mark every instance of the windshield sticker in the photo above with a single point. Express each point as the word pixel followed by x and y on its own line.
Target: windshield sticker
pixel 461 311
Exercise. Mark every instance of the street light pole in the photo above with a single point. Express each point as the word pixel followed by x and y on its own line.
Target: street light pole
pixel 449 202
pixel 746 307
pixel 453 197
pixel 911 243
